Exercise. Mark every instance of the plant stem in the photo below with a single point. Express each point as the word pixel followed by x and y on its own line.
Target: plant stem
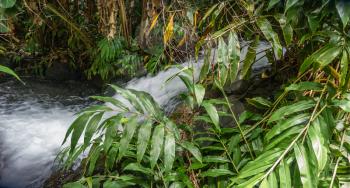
pixel 237 122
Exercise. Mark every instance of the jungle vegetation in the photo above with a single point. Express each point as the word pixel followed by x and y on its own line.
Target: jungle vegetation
pixel 299 137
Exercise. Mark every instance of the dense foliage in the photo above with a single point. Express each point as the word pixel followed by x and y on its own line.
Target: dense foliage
pixel 300 137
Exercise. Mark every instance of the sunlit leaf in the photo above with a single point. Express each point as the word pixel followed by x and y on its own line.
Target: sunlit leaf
pixel 169 151
pixel 169 30
pixel 144 134
pixel 284 175
pixel 156 144
pixel 271 36
pixel 307 166
pixel 290 109
pixel 250 57
pixel 343 8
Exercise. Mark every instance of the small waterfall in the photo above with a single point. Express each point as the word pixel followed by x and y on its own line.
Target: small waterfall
pixel 33 125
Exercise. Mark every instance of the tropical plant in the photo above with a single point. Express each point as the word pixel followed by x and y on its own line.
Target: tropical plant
pixel 297 138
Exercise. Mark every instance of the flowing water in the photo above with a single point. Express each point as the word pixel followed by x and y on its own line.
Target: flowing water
pixel 33 124
pixel 35 117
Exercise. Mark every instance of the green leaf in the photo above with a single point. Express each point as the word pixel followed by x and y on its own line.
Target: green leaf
pixel 234 55
pixel 206 66
pixel 91 128
pixel 312 58
pixel 318 143
pixel 343 104
pixel 144 134
pixel 252 181
pixel 271 36
pixel 193 150
pixel 286 28
pixel 215 159
pixel 93 159
pixel 343 8
pixel 328 56
pixel 10 72
pixel 259 102
pixel 290 109
pixel 111 100
pixel 307 166
pixel 76 129
pixel 344 66
pixel 128 133
pixel 269 182
pixel 7 3
pixel 284 175
pixel 138 168
pixel 290 4
pixel 213 114
pixel 272 3
pixel 260 164
pixel 216 173
pixel 156 144
pixel 250 57
pixel 286 124
pixel 199 93
pixel 302 86
pixel 169 151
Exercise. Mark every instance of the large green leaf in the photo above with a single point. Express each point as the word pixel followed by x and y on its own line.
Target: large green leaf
pixel 9 71
pixel 318 143
pixel 285 124
pixel 91 128
pixel 284 175
pixel 249 58
pixel 344 66
pixel 156 144
pixel 144 134
pixel 216 173
pixel 290 4
pixel 234 55
pixel 260 164
pixel 328 56
pixel 302 86
pixel 138 168
pixel 343 8
pixel 7 3
pixel 169 151
pixel 290 109
pixel 192 149
pixel 287 32
pixel 111 100
pixel 199 93
pixel 312 58
pixel 128 133
pixel 272 3
pixel 307 166
pixel 271 36
pixel 213 113
pixel 76 129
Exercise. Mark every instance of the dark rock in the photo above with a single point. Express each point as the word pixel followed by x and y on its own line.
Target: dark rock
pixel 237 87
pixel 59 71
